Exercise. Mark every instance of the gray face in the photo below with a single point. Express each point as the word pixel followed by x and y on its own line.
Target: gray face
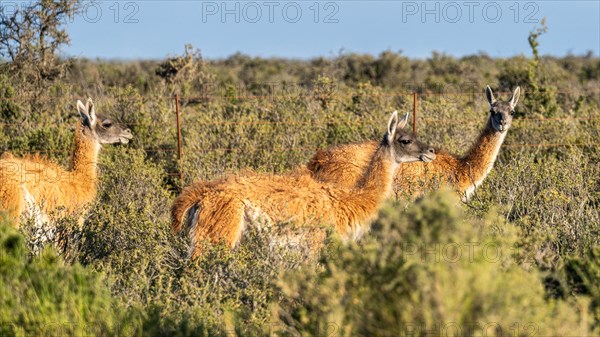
pixel 103 130
pixel 501 111
pixel 108 132
pixel 501 116
pixel 407 148
pixel 404 145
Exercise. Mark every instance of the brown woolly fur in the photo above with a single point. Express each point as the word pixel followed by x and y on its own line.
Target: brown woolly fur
pixel 343 165
pixel 37 187
pixel 220 210
pixel 36 180
pixel 225 207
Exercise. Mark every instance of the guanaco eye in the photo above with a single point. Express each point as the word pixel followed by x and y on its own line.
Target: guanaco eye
pixel 405 141
pixel 107 124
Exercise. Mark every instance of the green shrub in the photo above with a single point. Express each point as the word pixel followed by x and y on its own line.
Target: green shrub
pixel 583 277
pixel 9 110
pixel 43 296
pixel 429 270
pixel 548 197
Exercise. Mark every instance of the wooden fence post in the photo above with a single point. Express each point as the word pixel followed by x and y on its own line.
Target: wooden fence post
pixel 415 113
pixel 179 144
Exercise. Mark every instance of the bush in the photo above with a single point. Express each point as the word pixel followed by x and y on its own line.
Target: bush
pixel 546 196
pixel 431 269
pixel 43 296
pixel 583 276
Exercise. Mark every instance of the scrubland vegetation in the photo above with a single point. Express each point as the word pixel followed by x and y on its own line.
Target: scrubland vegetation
pixel 521 258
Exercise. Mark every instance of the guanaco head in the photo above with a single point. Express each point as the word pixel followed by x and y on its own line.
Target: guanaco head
pixel 501 112
pixel 103 130
pixel 405 146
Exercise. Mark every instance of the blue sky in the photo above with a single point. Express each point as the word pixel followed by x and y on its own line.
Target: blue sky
pixel 304 29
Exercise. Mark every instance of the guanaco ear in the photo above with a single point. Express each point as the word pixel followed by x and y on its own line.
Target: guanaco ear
pixel 515 98
pixel 82 109
pixel 392 126
pixel 403 121
pixel 490 95
pixel 91 110
pixel 87 112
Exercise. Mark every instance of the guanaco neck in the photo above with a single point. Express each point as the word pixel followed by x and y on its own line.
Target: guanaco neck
pixel 481 157
pixel 85 158
pixel 379 175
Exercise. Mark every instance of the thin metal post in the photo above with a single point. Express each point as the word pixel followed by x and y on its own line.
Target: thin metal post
pixel 179 145
pixel 415 113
